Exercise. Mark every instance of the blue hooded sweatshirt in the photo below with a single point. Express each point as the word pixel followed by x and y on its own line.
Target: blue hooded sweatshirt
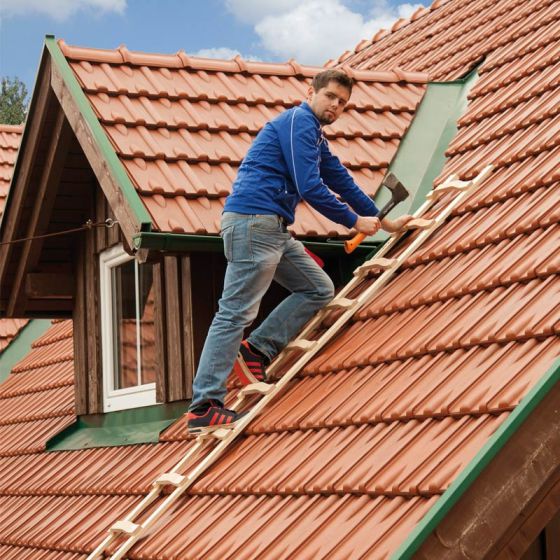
pixel 290 160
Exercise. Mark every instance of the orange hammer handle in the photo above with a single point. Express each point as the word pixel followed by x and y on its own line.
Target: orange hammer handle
pixel 351 244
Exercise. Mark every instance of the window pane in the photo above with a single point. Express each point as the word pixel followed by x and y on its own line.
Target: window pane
pixel 124 309
pixel 147 327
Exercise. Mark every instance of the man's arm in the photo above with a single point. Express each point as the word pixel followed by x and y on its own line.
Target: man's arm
pixel 339 180
pixel 298 142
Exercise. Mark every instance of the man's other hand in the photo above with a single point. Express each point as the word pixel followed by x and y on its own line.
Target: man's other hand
pixel 367 225
pixel 392 226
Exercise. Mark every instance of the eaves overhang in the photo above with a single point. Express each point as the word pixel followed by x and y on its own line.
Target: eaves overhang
pixel 465 481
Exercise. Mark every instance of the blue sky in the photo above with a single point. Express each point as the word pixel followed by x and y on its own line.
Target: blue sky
pixel 312 31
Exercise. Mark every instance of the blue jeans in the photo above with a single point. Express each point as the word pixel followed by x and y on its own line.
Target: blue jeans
pixel 258 249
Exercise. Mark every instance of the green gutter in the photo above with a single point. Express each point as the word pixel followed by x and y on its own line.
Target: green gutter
pixel 113 163
pixel 463 482
pixel 181 242
pixel 124 427
pixel 21 345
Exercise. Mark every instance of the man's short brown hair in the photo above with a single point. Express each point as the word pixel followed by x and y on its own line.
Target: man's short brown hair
pixel 322 79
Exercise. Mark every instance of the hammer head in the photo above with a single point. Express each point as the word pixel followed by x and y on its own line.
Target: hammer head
pixel 398 192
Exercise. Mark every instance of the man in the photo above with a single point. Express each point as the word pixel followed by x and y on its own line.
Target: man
pixel 289 161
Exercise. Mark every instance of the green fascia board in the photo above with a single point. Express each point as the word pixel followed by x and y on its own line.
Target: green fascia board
pixel 20 346
pixel 100 137
pixel 124 427
pixel 470 473
pixel 181 242
pixel 421 154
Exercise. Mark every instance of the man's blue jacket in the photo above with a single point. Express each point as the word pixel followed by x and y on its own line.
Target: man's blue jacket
pixel 290 160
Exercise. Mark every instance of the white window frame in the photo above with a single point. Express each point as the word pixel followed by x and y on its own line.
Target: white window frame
pixel 132 397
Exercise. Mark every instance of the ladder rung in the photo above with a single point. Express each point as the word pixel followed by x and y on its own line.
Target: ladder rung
pixel 420 223
pixel 126 527
pixel 301 344
pixel 449 186
pixel 171 478
pixel 256 388
pixel 380 262
pixel 340 303
pixel 220 433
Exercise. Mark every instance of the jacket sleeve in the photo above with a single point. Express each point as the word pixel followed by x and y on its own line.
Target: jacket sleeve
pixel 339 180
pixel 299 142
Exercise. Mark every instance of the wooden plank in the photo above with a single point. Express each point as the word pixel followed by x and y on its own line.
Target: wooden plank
pixel 49 285
pixel 160 327
pixel 44 200
pixel 113 233
pixel 552 538
pixel 92 299
pixel 188 325
pixel 117 201
pixel 26 161
pixel 100 215
pixel 175 376
pixel 79 319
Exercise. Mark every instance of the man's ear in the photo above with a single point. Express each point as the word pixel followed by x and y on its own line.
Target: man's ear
pixel 310 92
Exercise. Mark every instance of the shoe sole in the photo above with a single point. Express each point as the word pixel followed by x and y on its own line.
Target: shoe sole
pixel 209 429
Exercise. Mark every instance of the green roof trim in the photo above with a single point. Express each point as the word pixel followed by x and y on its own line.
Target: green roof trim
pixel 463 482
pixel 114 164
pixel 124 427
pixel 421 154
pixel 21 345
pixel 179 242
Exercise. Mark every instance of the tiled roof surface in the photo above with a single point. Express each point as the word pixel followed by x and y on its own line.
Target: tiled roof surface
pixel 9 329
pixel 377 426
pixel 10 137
pixel 181 126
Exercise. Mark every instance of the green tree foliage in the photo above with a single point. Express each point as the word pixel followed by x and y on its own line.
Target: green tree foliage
pixel 13 104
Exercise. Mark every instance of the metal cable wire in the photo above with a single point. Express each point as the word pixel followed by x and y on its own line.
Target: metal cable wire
pixel 90 224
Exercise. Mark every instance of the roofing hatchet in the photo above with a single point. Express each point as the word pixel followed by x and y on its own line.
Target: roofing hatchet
pixel 398 194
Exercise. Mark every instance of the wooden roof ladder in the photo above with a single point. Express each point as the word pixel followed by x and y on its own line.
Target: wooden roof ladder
pixel 220 439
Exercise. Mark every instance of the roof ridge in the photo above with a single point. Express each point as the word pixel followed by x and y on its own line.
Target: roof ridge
pixel 17 128
pixel 382 33
pixel 181 60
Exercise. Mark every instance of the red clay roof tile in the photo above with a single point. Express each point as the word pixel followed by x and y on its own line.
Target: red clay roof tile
pixel 9 329
pixel 379 424
pixel 10 137
pixel 182 125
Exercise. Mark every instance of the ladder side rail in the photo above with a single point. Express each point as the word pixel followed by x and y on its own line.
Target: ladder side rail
pixel 312 325
pixel 297 366
pixel 138 508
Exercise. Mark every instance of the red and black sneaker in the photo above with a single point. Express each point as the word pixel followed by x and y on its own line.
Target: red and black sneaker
pixel 202 421
pixel 249 366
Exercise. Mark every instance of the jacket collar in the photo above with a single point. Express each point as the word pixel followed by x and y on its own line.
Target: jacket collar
pixel 304 105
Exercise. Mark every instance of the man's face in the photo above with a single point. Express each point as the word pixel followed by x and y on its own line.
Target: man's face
pixel 328 103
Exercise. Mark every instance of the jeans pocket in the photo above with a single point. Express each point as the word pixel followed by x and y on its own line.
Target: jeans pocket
pixel 237 243
pixel 227 237
pixel 265 222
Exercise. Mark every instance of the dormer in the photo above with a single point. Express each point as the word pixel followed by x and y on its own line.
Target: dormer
pixel 114 210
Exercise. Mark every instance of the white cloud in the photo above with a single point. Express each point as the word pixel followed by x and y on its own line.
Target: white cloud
pixel 225 53
pixel 315 30
pixel 218 52
pixel 60 10
pixel 253 11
